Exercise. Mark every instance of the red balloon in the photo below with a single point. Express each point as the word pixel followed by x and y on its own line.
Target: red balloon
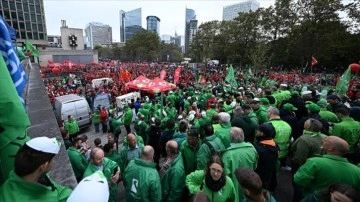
pixel 355 67
pixel 55 70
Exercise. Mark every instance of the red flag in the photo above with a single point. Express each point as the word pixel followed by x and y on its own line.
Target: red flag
pixel 177 75
pixel 163 74
pixel 313 61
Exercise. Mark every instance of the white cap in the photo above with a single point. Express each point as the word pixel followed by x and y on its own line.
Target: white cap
pixel 93 188
pixel 45 144
pixel 192 112
pixel 189 98
pixel 164 113
pixel 180 117
pixel 191 117
pixel 233 104
pixel 306 92
pixel 171 91
pixel 283 85
pixel 241 88
pixel 256 99
pixel 203 114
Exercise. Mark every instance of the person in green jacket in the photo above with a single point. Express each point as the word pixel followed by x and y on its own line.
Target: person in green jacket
pixel 239 154
pixel 251 183
pixel 319 173
pixel 248 112
pixel 189 149
pixel 95 118
pixel 129 151
pixel 349 130
pixel 142 181
pixel 212 144
pixel 141 127
pixel 171 98
pixel 145 112
pixel 326 114
pixel 204 120
pixel 128 117
pixel 110 151
pixel 172 174
pixel 224 130
pixel 29 181
pixel 107 166
pixel 282 135
pixel 213 182
pixel 180 134
pixel 171 111
pixel 77 158
pixel 260 111
pixel 72 126
pixel 210 112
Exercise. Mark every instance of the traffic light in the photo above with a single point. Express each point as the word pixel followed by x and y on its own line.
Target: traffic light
pixel 72 40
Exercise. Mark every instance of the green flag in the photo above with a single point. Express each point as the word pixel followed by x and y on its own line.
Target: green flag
pixel 230 77
pixel 31 48
pixel 343 83
pixel 13 122
pixel 20 53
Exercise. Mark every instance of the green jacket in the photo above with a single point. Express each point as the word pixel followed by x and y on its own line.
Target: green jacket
pixel 78 161
pixel 171 98
pixel 142 182
pixel 186 105
pixel 179 138
pixel 115 124
pixel 328 116
pixel 95 117
pixel 72 127
pixel 261 115
pixel 210 112
pixel 224 134
pixel 196 180
pixel 124 158
pixel 319 173
pixel 128 116
pixel 349 130
pixel 204 152
pixel 17 189
pixel 239 155
pixel 282 136
pixel 190 156
pixel 253 118
pixel 108 170
pixel 142 129
pixel 171 112
pixel 114 156
pixel 146 113
pixel 202 123
pixel 173 181
pixel 306 146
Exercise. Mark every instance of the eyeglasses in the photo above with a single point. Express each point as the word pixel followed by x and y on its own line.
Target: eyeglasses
pixel 213 170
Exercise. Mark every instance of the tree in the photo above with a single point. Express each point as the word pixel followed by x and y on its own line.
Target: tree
pixel 143 46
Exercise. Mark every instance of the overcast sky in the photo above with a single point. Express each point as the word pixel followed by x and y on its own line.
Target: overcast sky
pixel 171 13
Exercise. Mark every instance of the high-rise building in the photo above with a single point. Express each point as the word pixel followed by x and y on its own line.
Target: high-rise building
pixel 130 24
pixel 153 24
pixel 98 34
pixel 232 11
pixel 189 16
pixel 27 18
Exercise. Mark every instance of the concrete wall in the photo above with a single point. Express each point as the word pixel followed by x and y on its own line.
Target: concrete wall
pixel 65 32
pixel 43 123
pixel 49 53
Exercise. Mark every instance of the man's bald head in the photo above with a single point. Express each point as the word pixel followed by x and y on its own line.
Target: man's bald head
pixel 172 147
pixel 335 145
pixel 147 153
pixel 131 139
pixel 97 156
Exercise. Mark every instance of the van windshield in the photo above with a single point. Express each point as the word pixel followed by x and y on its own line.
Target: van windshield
pixel 102 102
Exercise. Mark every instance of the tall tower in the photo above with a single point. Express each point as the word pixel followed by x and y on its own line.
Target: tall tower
pixel 232 11
pixel 153 24
pixel 98 34
pixel 27 18
pixel 189 16
pixel 130 24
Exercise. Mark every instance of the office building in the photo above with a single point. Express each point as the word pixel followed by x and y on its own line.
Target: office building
pixel 166 38
pixel 232 11
pixel 27 18
pixel 130 24
pixel 190 18
pixel 153 24
pixel 97 34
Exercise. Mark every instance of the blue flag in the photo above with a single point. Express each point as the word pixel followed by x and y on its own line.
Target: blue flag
pixel 11 30
pixel 12 61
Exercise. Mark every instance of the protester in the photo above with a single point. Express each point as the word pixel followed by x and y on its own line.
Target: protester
pixel 77 158
pixel 72 127
pixel 129 152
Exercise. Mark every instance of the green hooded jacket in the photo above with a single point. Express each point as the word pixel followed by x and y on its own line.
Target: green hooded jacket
pixel 349 130
pixel 173 181
pixel 282 136
pixel 142 182
pixel 204 152
pixel 189 154
pixel 78 161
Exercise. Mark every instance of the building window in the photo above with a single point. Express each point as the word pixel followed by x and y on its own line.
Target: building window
pixel 41 36
pixel 19 6
pixel 28 26
pixel 5 4
pixel 40 27
pixel 36 36
pixel 12 5
pixel 26 8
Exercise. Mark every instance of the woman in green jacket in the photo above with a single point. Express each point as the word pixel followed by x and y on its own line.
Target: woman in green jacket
pixel 213 182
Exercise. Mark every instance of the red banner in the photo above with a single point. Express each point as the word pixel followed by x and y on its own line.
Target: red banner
pixel 313 61
pixel 162 74
pixel 177 75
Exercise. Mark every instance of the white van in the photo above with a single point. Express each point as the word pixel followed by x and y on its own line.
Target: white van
pixel 73 105
pixel 126 99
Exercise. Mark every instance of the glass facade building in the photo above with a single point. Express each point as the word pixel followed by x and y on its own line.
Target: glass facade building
pixel 98 34
pixel 189 16
pixel 130 24
pixel 153 24
pixel 27 17
pixel 232 11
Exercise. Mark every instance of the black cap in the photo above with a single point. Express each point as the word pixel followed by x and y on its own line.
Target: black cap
pixel 246 106
pixel 268 130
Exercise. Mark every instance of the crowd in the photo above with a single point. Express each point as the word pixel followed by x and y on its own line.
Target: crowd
pixel 210 142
